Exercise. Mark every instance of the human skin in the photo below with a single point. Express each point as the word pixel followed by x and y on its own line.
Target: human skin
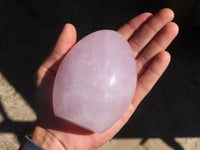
pixel 148 35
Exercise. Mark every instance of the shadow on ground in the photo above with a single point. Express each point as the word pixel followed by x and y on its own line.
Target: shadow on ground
pixel 19 128
pixel 28 30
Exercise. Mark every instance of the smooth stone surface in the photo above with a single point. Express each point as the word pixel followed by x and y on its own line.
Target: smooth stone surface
pixel 96 81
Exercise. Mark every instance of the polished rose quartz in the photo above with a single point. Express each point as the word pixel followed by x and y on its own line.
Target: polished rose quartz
pixel 96 81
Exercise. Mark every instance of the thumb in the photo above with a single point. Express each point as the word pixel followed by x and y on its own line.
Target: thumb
pixel 65 41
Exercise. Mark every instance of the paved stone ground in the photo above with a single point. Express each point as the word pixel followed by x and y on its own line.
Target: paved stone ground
pixel 15 113
pixel 167 119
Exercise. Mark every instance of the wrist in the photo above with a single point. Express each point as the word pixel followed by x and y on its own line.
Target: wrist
pixel 46 139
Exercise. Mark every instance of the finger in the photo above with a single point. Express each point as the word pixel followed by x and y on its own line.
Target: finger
pixel 65 41
pixel 148 30
pixel 150 76
pixel 129 28
pixel 159 43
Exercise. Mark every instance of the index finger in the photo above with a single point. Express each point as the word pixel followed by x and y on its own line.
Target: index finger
pixel 130 27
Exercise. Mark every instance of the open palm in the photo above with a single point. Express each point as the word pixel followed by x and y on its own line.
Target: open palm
pixel 148 35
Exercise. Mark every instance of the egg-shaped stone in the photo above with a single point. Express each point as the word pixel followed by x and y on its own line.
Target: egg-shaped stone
pixel 96 81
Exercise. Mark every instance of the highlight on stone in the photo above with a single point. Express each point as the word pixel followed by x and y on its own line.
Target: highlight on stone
pixel 96 81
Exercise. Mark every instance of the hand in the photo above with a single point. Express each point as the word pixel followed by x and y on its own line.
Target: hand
pixel 148 35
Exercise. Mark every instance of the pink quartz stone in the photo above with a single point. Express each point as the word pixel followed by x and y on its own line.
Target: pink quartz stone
pixel 96 81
